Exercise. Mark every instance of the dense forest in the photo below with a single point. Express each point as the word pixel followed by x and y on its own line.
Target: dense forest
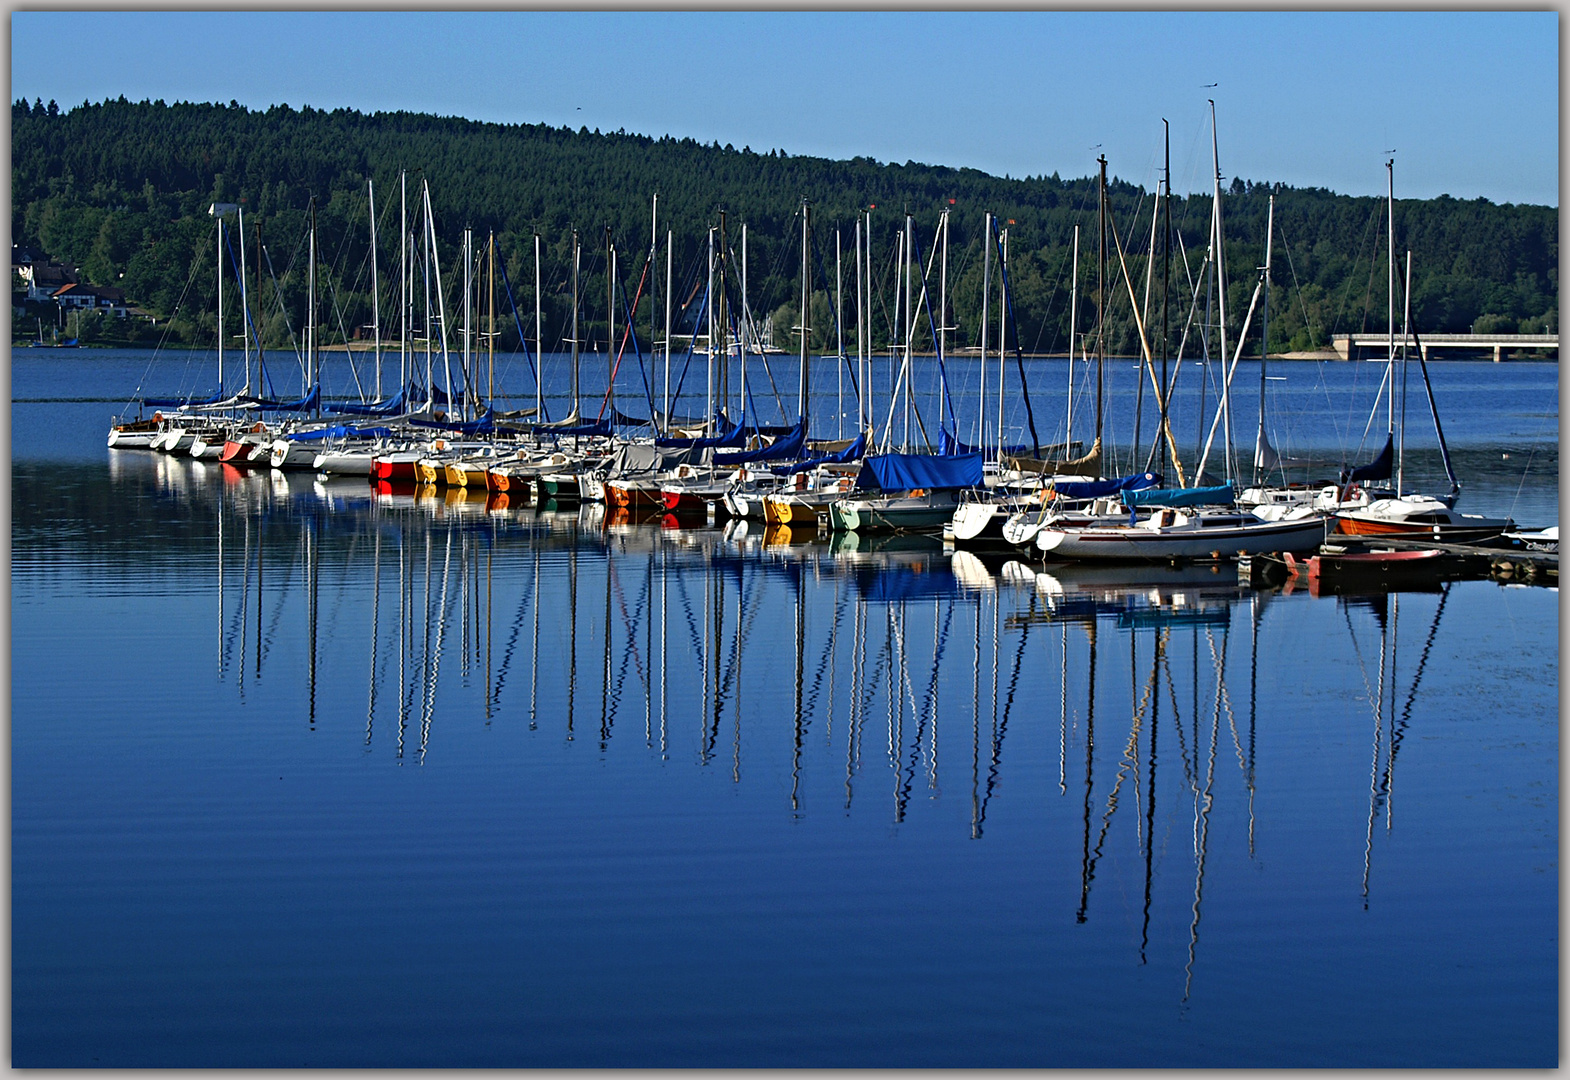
pixel 122 189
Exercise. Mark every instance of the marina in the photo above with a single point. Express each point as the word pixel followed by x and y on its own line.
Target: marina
pixel 516 591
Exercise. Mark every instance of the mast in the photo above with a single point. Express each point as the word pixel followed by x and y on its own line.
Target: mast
pixel 709 304
pixel 806 309
pixel 468 330
pixel 245 310
pixel 376 310
pixel 539 377
pixel 910 323
pixel 1101 296
pixel 669 270
pixel 1165 391
pixel 260 355
pixel 745 319
pixel 723 354
pixel 861 339
pixel 1003 314
pixel 490 386
pixel 1260 464
pixel 1221 291
pixel 1073 333
pixel 313 356
pixel 403 279
pixel 839 331
pixel 986 308
pixel 441 302
pixel 220 254
pixel 576 263
pixel 610 321
pixel 1390 218
pixel 1406 332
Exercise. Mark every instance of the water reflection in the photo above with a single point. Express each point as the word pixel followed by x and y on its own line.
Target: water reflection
pixel 778 656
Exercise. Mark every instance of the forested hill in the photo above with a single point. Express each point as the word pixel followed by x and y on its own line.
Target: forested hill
pixel 121 189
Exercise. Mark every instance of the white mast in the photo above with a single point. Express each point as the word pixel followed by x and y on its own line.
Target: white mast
pixel 403 279
pixel 839 331
pixel 376 310
pixel 744 320
pixel 576 262
pixel 1073 330
pixel 1003 315
pixel 468 304
pixel 669 269
pixel 861 338
pixel 986 303
pixel 806 310
pixel 1260 464
pixel 539 354
pixel 1390 218
pixel 1221 292
pixel 709 299
pixel 220 302
pixel 441 303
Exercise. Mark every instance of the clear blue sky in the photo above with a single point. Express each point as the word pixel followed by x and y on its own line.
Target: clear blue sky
pixel 1468 100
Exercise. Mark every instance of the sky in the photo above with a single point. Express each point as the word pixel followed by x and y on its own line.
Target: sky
pixel 1467 101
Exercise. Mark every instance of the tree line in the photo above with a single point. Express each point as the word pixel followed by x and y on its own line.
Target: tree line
pixel 122 189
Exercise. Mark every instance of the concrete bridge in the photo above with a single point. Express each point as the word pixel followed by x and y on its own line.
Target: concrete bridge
pixel 1374 346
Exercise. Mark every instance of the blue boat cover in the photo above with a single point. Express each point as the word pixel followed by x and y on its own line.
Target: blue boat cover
pixel 392 405
pixel 904 472
pixel 483 425
pixel 786 446
pixel 337 431
pixel 1220 495
pixel 1095 489
pixel 845 456
pixel 1378 469
pixel 949 444
pixel 602 427
pixel 309 401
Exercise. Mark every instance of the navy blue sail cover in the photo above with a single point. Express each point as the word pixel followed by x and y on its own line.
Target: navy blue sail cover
pixel 1095 489
pixel 1378 469
pixel 781 449
pixel 844 457
pixel 904 472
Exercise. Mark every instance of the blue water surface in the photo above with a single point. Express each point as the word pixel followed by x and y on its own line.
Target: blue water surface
pixel 305 775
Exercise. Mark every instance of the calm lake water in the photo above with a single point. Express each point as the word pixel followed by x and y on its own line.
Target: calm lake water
pixel 305 775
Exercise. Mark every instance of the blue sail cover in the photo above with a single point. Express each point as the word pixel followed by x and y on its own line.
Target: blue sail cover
pixel 600 427
pixel 1220 495
pixel 392 405
pixel 734 435
pixel 844 457
pixel 787 446
pixel 483 425
pixel 337 431
pixel 949 444
pixel 309 401
pixel 1378 469
pixel 1095 489
pixel 903 472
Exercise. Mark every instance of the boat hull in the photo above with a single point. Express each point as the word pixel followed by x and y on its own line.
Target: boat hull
pixel 1139 543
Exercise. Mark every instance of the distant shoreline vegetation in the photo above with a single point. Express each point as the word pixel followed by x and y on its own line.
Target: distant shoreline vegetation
pixel 120 190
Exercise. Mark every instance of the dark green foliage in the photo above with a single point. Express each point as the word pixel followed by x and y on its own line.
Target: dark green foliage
pixel 122 188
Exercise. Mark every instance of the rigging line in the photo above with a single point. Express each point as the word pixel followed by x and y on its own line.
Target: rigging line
pixel 168 323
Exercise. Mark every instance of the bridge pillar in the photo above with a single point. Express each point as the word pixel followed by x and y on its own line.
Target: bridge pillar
pixel 1499 354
